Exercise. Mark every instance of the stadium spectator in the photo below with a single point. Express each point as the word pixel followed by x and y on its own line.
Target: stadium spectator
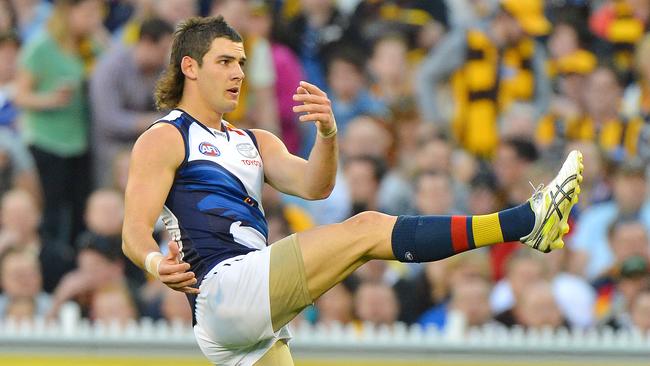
pixel 100 267
pixel 457 272
pixel 601 121
pixel 17 168
pixel 470 299
pixel 518 122
pixel 31 16
pixel 311 33
pixel 363 175
pixel 120 170
pixel 287 68
pixel 640 310
pixel 592 254
pixel 7 16
pixel 335 306
pixel 570 67
pixel 390 72
pixel 171 11
pixel 617 286
pixel 296 217
pixel 174 308
pixel 9 48
pixel 620 24
pixel 537 309
pixel 514 159
pixel 20 219
pixel 277 222
pixel 435 194
pixel 349 91
pixel 104 215
pixel 22 298
pixel 53 68
pixel 421 22
pixel 636 99
pixel 470 57
pixel 375 303
pixel 617 295
pixel 523 268
pixel 120 93
pixel 112 305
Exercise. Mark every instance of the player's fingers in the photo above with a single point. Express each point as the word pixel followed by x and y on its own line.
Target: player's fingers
pixel 312 108
pixel 312 89
pixel 177 277
pixel 187 283
pixel 314 117
pixel 189 290
pixel 311 98
pixel 166 268
pixel 173 250
pixel 301 90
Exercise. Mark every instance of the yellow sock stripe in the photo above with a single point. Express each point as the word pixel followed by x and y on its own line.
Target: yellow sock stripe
pixel 486 230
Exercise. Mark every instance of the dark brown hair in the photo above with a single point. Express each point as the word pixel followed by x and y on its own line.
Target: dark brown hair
pixel 192 38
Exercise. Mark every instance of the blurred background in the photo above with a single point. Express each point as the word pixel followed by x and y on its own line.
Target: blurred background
pixel 443 108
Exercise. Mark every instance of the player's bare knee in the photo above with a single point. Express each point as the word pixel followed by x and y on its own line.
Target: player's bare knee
pixel 365 227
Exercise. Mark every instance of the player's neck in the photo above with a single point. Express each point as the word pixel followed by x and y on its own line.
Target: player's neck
pixel 201 113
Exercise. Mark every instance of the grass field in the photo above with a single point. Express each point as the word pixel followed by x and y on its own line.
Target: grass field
pixel 133 361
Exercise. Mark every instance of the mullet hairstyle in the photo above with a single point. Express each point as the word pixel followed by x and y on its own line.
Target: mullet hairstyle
pixel 192 38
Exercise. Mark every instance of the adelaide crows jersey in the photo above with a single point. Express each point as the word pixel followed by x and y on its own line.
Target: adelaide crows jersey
pixel 214 206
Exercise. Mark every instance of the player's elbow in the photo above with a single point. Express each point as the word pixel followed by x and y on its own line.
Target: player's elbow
pixel 321 193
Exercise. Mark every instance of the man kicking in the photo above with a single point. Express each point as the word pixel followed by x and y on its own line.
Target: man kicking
pixel 206 177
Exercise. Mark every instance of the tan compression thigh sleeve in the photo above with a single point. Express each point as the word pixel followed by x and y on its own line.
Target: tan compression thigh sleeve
pixel 278 355
pixel 288 289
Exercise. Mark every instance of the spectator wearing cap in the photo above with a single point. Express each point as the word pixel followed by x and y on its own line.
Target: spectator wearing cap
pixel 591 253
pixel 121 93
pixel 618 285
pixel 492 65
pixel 617 298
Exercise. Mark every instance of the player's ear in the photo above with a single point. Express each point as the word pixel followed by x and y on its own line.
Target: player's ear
pixel 189 67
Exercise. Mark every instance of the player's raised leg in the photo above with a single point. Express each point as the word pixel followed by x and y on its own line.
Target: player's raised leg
pixel 330 253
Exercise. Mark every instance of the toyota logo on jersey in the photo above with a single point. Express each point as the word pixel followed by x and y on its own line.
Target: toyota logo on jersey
pixel 208 149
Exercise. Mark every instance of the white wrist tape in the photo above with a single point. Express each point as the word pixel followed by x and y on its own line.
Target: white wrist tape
pixel 148 263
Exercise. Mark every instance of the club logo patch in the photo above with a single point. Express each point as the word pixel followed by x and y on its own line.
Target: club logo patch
pixel 208 149
pixel 247 150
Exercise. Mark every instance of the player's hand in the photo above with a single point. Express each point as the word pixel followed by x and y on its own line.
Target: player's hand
pixel 174 273
pixel 316 106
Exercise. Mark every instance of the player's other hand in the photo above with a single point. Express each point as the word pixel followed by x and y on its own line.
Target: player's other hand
pixel 174 273
pixel 316 106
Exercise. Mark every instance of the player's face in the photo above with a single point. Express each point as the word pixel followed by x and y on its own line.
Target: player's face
pixel 221 74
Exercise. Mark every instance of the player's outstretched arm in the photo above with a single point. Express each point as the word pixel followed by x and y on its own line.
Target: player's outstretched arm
pixel 155 157
pixel 309 179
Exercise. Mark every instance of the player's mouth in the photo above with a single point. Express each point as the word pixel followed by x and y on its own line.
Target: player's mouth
pixel 233 92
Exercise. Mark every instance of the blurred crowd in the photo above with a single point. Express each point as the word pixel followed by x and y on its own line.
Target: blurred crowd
pixel 443 107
